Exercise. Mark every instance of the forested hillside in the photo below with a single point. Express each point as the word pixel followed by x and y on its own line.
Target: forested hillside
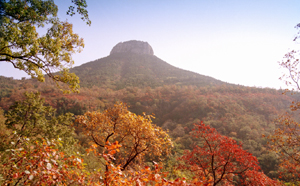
pixel 121 70
pixel 136 120
pixel 176 97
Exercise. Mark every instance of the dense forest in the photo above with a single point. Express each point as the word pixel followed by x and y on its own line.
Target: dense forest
pixel 136 120
pixel 177 99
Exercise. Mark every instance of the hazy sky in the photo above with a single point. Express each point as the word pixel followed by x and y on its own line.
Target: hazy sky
pixel 236 41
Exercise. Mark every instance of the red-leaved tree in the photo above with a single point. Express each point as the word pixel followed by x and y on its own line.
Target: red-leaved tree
pixel 40 163
pixel 221 160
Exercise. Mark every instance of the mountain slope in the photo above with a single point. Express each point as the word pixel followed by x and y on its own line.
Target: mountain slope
pixel 121 70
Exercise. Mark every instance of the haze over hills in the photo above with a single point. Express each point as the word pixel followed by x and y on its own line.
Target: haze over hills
pixel 133 63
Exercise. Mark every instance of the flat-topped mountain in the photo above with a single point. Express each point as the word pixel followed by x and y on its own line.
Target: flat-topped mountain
pixel 132 63
pixel 137 47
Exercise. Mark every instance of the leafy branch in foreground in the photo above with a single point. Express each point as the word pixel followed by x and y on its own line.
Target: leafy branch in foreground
pixel 23 47
pixel 285 140
pixel 40 163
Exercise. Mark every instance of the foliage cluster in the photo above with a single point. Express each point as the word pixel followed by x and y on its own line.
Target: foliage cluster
pixel 29 162
pixel 135 134
pixel 23 47
pixel 220 160
pixel 38 143
pixel 243 113
pixel 123 143
pixel 285 141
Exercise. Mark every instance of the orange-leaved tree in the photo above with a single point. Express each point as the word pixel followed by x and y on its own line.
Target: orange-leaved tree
pixel 141 177
pixel 221 160
pixel 135 133
pixel 285 140
pixel 40 163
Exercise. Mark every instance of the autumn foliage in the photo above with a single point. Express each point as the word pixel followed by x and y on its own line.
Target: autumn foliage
pixel 131 150
pixel 286 143
pixel 284 140
pixel 145 175
pixel 220 160
pixel 136 134
pixel 38 144
pixel 40 163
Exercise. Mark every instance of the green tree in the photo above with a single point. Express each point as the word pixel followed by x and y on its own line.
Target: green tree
pixel 31 119
pixel 4 133
pixel 23 47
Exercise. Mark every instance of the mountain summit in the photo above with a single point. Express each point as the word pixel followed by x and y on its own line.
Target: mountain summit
pixel 137 47
pixel 133 64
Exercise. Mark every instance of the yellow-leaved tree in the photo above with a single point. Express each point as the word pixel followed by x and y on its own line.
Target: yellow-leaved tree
pixel 27 50
pixel 135 134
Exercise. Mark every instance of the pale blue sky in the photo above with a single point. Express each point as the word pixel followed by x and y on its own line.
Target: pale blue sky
pixel 236 41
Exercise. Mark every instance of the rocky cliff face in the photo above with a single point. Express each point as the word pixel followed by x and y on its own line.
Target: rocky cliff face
pixel 138 47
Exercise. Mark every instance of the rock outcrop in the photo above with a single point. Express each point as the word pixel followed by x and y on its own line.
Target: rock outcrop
pixel 138 47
